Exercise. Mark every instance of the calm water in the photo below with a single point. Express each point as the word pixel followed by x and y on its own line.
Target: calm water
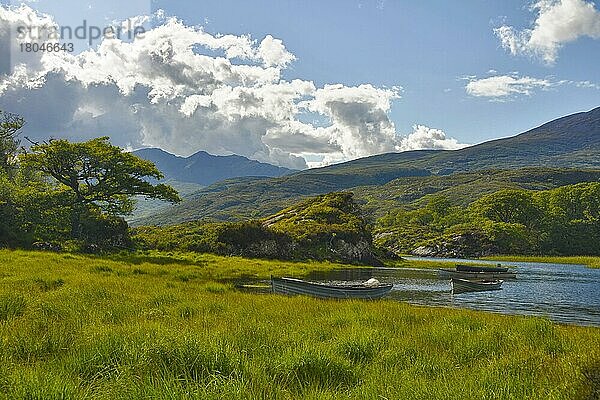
pixel 563 293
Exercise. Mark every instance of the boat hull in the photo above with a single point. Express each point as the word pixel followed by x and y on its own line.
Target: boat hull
pixel 479 268
pixel 445 273
pixel 464 285
pixel 291 286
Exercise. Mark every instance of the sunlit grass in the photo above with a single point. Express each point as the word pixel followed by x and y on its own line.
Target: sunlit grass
pixel 174 327
pixel 425 264
pixel 590 261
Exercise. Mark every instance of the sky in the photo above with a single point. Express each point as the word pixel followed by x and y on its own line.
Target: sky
pixel 300 83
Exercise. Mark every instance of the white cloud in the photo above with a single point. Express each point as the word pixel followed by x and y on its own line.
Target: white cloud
pixel 424 137
pixel 274 53
pixel 360 123
pixel 558 22
pixel 183 89
pixel 586 84
pixel 507 87
pixel 504 86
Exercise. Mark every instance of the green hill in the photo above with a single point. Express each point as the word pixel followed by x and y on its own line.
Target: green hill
pixel 328 227
pixel 571 142
pixel 256 198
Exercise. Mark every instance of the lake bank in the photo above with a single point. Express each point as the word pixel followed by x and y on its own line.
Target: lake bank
pixel 74 326
pixel 590 261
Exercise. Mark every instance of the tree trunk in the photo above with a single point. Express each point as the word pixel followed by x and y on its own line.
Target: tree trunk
pixel 76 222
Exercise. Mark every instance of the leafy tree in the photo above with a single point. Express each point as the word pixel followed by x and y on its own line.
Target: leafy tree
pixel 97 177
pixel 31 210
pixel 10 125
pixel 509 206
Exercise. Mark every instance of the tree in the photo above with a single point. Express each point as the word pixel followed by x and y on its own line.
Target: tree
pixel 509 206
pixel 10 125
pixel 100 178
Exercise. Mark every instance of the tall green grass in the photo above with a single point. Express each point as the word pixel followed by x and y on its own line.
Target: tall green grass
pixel 590 261
pixel 128 327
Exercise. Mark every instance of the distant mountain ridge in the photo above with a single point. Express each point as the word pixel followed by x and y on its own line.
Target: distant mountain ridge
pixel 205 169
pixel 571 142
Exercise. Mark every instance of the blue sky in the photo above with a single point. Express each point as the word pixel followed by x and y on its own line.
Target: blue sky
pixel 423 46
pixel 458 74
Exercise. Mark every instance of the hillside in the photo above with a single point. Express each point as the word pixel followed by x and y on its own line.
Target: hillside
pixel 257 198
pixel 463 188
pixel 205 169
pixel 328 227
pixel 563 221
pixel 568 142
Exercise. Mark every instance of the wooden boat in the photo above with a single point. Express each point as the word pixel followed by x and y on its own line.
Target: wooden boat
pixel 445 273
pixel 291 286
pixel 465 285
pixel 480 268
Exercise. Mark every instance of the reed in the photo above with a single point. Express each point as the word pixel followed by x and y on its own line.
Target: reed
pixel 589 261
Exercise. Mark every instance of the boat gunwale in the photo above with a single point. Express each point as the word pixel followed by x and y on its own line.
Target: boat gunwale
pixel 338 287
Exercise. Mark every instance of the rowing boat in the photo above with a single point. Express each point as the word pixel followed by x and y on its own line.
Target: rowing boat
pixel 291 286
pixel 465 285
pixel 445 273
pixel 480 268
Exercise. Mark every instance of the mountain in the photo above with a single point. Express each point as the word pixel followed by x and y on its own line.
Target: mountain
pixel 205 169
pixel 571 142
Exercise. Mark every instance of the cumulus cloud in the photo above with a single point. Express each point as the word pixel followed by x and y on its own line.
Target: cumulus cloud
pixel 424 137
pixel 182 89
pixel 507 87
pixel 558 22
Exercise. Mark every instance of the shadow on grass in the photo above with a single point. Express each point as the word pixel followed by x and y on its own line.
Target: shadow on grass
pixel 590 387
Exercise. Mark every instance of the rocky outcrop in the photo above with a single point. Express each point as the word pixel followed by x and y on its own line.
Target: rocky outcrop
pixel 458 246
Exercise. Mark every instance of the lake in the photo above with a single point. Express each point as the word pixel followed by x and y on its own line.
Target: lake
pixel 563 293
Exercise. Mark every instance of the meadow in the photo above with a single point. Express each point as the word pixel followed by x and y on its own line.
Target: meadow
pixel 174 326
pixel 589 261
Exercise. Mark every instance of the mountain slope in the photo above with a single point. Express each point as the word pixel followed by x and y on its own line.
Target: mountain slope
pixel 205 169
pixel 568 142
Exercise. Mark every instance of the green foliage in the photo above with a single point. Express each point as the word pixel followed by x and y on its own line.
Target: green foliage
pixel 64 191
pixel 31 210
pixel 564 221
pixel 327 227
pixel 98 173
pixel 334 215
pixel 11 306
pixel 10 125
pixel 105 231
pixel 244 198
pixel 229 238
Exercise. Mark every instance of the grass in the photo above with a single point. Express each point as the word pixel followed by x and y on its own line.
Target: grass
pixel 424 264
pixel 590 261
pixel 129 326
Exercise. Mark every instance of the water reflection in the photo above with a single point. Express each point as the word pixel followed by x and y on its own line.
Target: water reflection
pixel 563 293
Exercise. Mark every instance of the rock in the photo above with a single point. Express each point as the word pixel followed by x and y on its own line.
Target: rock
pixel 425 251
pixel 46 246
pixel 469 244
